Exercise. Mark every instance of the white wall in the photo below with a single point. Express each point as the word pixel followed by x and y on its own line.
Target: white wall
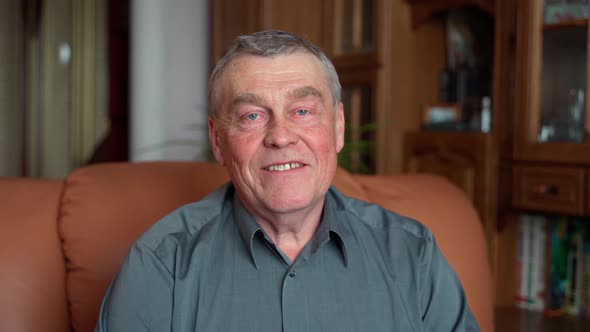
pixel 169 73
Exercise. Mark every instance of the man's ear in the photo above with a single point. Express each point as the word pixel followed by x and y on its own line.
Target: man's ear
pixel 340 124
pixel 214 139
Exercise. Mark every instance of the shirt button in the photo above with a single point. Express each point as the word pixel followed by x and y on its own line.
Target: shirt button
pixel 292 274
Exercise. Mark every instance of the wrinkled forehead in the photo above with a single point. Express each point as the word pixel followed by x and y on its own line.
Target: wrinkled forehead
pixel 249 72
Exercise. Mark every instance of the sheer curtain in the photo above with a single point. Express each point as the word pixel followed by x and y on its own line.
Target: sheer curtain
pixel 53 93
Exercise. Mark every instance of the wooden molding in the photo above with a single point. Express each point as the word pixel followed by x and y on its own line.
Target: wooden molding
pixel 423 10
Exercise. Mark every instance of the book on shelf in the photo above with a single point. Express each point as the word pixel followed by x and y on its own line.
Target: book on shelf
pixel 531 263
pixel 539 243
pixel 575 269
pixel 553 264
pixel 558 277
pixel 586 278
pixel 522 261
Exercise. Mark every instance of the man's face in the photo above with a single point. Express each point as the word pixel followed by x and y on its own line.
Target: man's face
pixel 278 132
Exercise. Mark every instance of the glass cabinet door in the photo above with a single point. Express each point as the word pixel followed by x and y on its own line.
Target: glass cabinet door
pixel 358 154
pixel 353 26
pixel 353 49
pixel 555 43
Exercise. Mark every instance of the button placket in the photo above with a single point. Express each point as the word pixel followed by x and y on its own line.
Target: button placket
pixel 294 304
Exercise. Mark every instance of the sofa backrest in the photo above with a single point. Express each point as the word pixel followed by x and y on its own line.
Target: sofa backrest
pixel 105 207
pixel 101 209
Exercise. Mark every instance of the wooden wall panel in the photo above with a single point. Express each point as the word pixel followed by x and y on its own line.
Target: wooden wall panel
pixel 304 17
pixel 230 19
pixel 399 111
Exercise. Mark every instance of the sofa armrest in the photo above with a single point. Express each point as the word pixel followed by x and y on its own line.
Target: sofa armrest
pixel 32 272
pixel 448 213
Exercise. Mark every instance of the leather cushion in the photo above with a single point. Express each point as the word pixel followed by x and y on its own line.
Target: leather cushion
pixel 32 269
pixel 451 217
pixel 105 207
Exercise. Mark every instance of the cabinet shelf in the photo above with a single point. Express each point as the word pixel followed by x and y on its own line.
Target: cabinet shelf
pixel 509 319
pixel 422 10
pixel 577 23
pixel 553 152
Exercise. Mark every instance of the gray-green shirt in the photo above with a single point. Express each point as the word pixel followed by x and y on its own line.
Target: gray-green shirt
pixel 209 266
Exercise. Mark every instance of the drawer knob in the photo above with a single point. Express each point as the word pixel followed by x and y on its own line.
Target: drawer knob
pixel 547 189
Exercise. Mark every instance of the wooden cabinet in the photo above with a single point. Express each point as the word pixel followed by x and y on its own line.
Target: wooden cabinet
pixel 468 159
pixel 459 151
pixel 546 142
pixel 552 118
pixel 550 189
pixel 352 43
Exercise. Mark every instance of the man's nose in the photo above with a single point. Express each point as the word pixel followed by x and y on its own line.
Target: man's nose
pixel 280 134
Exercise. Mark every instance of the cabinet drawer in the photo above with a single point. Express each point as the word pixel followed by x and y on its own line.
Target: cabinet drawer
pixel 549 189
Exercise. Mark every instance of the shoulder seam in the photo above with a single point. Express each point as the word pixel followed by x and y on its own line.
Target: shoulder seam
pixel 390 213
pixel 155 255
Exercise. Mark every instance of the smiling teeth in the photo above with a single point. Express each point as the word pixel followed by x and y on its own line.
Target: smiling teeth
pixel 283 167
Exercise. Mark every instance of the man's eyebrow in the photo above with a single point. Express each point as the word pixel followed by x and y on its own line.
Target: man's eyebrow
pixel 306 91
pixel 299 93
pixel 247 98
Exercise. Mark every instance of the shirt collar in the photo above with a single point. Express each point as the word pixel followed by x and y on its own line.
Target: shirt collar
pixel 334 220
pixel 247 226
pixel 331 226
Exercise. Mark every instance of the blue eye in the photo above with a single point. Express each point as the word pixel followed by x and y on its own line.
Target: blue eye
pixel 252 116
pixel 302 111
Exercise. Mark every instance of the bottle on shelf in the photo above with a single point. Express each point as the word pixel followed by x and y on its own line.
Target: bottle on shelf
pixel 486 114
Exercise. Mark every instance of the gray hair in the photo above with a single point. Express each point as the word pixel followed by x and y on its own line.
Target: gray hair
pixel 267 44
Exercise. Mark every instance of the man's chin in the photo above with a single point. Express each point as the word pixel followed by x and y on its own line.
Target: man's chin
pixel 285 205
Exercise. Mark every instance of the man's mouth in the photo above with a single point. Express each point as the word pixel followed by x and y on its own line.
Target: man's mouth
pixel 283 167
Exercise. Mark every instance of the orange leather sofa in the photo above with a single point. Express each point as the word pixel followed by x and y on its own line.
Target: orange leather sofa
pixel 62 241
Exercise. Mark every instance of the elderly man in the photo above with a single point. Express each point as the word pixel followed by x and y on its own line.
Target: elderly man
pixel 278 249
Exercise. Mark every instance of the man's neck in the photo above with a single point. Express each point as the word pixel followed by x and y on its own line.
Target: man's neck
pixel 292 231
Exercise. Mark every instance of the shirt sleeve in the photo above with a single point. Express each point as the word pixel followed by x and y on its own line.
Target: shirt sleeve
pixel 443 302
pixel 140 297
